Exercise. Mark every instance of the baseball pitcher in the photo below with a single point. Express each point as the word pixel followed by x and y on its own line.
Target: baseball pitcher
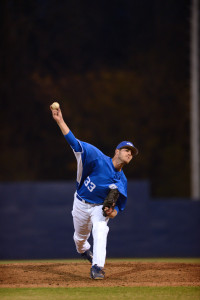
pixel 100 194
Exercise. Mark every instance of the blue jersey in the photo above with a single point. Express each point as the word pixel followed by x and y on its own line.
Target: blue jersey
pixel 96 174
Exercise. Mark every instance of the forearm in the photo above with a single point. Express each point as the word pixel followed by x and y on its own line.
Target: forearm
pixel 63 127
pixel 57 116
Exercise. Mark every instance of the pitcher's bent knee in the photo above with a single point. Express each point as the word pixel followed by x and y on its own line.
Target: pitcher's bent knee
pixel 81 243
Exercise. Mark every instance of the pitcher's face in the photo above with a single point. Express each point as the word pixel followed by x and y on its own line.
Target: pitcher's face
pixel 125 155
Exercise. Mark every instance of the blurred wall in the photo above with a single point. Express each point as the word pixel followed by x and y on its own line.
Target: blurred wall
pixel 36 223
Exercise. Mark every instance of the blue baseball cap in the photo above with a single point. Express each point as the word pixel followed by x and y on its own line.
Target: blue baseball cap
pixel 129 145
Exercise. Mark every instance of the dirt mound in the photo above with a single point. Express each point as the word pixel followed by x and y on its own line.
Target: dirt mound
pixel 117 274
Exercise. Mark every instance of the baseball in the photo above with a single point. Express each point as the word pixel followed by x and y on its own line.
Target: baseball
pixel 55 105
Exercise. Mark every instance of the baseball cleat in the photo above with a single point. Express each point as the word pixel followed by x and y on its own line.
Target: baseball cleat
pixel 87 255
pixel 97 272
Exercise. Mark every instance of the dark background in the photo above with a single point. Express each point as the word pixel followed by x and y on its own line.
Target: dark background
pixel 120 71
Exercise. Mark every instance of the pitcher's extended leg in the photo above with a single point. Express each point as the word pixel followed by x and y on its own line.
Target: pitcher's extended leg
pixel 100 232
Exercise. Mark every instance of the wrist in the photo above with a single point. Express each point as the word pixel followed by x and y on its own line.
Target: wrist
pixel 113 214
pixel 60 122
pixel 63 126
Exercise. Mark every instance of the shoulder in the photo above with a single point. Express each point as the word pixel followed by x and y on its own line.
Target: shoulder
pixel 92 151
pixel 89 146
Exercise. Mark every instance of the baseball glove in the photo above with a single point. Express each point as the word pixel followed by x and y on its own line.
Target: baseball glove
pixel 110 200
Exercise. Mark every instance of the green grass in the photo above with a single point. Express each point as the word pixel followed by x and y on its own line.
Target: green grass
pixel 140 293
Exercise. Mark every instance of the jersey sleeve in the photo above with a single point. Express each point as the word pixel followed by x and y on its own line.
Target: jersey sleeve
pixel 121 203
pixel 73 142
pixel 86 156
pixel 122 188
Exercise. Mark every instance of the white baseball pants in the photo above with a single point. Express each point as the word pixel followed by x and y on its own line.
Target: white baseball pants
pixel 87 218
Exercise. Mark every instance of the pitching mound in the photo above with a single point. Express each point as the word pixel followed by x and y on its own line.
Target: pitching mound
pixel 117 274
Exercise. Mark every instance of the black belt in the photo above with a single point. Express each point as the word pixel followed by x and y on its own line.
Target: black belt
pixel 79 198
